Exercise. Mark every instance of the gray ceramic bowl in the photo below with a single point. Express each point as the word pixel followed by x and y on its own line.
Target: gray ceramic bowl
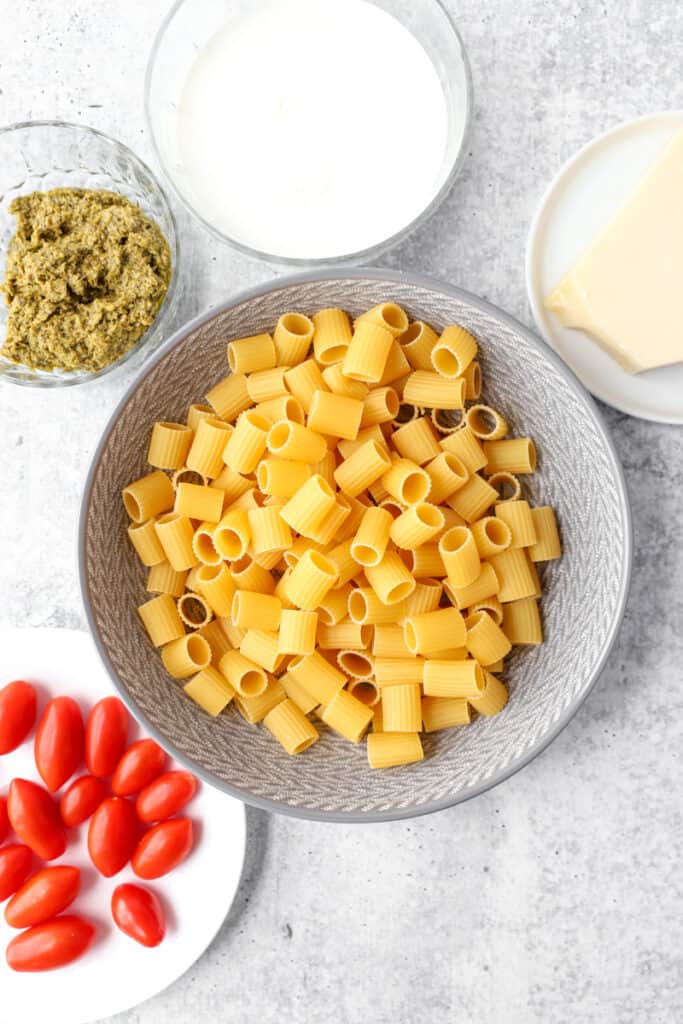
pixel 584 592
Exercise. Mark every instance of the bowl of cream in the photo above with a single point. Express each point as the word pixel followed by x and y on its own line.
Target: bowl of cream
pixel 309 131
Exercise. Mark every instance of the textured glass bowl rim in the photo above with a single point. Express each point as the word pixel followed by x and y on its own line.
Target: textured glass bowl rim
pixel 158 322
pixel 573 383
pixel 360 255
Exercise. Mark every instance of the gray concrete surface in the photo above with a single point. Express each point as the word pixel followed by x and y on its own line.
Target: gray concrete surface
pixel 556 898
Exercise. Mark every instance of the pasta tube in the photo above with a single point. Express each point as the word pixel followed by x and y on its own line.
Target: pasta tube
pixel 467 448
pixel 210 690
pixel 163 579
pixel 448 678
pixel 161 620
pixel 517 455
pixel 367 354
pixel 293 336
pixel 247 443
pixel 186 656
pixel 312 577
pixel 390 750
pixel 417 525
pixel 258 611
pixel 522 622
pixel 370 543
pixel 197 502
pixel 547 545
pixel 290 727
pixel 297 633
pixel 485 640
pixel 460 556
pixel 344 635
pixel 448 474
pixel 169 445
pixel 148 497
pixel 402 708
pixel 289 440
pixel 417 342
pixel 206 452
pixel 431 390
pixel 304 380
pixel 317 676
pixel 348 716
pixel 244 675
pixel 337 415
pixel 255 709
pixel 493 697
pixel 390 579
pixel 444 713
pixel 431 631
pixel 144 539
pixel 269 531
pixel 453 352
pixel 229 397
pixel 245 355
pixel 332 335
pixel 175 535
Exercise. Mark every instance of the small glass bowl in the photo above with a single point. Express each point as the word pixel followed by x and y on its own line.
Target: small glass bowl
pixel 36 156
pixel 189 26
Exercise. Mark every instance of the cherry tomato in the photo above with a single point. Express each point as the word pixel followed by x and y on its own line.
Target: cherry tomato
pixel 17 714
pixel 138 914
pixel 162 848
pixel 15 864
pixel 112 835
pixel 4 820
pixel 34 816
pixel 58 745
pixel 140 764
pixel 106 732
pixel 81 799
pixel 49 945
pixel 165 796
pixel 44 895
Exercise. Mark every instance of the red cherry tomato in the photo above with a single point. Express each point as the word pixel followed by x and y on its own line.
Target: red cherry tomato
pixel 58 745
pixel 17 714
pixel 46 894
pixel 81 799
pixel 34 816
pixel 15 864
pixel 165 796
pixel 112 835
pixel 140 764
pixel 162 848
pixel 106 732
pixel 4 820
pixel 53 944
pixel 138 914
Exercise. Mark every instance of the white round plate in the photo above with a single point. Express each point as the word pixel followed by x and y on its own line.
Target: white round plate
pixel 116 973
pixel 581 199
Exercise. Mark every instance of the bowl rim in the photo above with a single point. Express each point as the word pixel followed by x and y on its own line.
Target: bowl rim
pixel 394 277
pixel 172 290
pixel 359 256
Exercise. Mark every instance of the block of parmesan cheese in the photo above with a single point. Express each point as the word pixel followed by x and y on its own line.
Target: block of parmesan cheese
pixel 626 290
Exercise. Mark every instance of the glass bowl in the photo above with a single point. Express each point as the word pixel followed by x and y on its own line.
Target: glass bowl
pixel 189 26
pixel 36 156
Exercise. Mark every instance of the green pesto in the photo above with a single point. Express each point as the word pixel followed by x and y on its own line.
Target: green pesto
pixel 86 274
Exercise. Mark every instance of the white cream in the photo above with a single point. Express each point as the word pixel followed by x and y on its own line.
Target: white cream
pixel 313 128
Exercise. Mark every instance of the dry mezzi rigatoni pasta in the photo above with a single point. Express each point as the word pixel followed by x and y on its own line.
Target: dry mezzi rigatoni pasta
pixel 340 535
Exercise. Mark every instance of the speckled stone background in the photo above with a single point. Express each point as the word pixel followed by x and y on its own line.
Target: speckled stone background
pixel 558 897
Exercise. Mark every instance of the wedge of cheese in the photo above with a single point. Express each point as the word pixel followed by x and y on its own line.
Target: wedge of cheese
pixel 626 290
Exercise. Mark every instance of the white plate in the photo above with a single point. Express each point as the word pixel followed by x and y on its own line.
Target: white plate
pixel 585 194
pixel 116 973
